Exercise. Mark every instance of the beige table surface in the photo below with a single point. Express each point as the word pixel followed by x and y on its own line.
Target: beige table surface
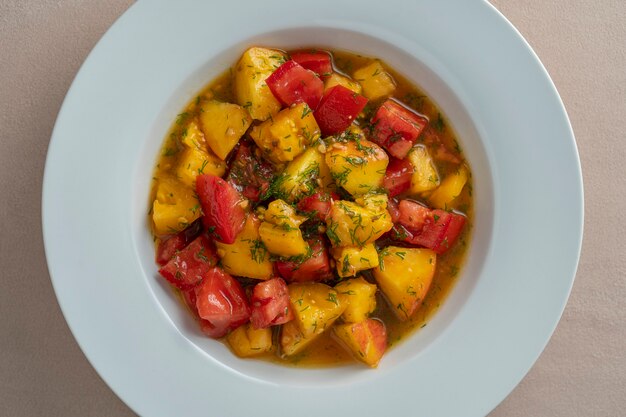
pixel 582 372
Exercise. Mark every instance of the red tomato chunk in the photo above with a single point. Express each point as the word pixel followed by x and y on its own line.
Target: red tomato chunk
pixel 187 267
pixel 317 61
pixel 398 176
pixel 396 128
pixel 221 301
pixel 270 304
pixel 249 173
pixel 291 83
pixel 315 268
pixel 168 247
pixel 223 207
pixel 317 205
pixel 338 109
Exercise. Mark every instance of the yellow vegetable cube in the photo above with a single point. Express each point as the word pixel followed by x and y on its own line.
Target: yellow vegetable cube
pixel 358 167
pixel 194 162
pixel 360 296
pixel 283 240
pixel 351 260
pixel 247 341
pixel 278 212
pixel 316 306
pixel 425 176
pixel 303 174
pixel 338 79
pixel 223 125
pixel 376 82
pixel 367 340
pixel 351 224
pixel 287 134
pixel 174 208
pixel 443 197
pixel 193 137
pixel 247 256
pixel 251 91
pixel 404 277
pixel 292 340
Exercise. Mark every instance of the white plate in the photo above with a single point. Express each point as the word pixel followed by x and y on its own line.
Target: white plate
pixel 510 295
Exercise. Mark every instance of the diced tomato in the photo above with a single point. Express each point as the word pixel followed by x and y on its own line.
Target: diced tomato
pixel 250 174
pixel 392 208
pixel 291 83
pixel 222 302
pixel 412 215
pixel 398 176
pixel 315 268
pixel 317 61
pixel 270 304
pixel 223 207
pixel 437 230
pixel 168 248
pixel 187 267
pixel 317 204
pixel 338 109
pixel 396 128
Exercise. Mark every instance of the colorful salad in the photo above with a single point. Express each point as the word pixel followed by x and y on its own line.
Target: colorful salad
pixel 311 207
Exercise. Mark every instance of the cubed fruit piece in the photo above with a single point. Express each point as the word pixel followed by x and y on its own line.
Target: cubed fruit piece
pixel 425 176
pixel 223 125
pixel 193 137
pixel 207 328
pixel 367 340
pixel 250 173
pixel 287 134
pixel 317 205
pixel 316 267
pixel 168 247
pixel 439 231
pixel 376 82
pixel 451 186
pixel 221 301
pixel 338 109
pixel 316 306
pixel 194 162
pixel 247 341
pixel 360 296
pixel 174 208
pixel 396 128
pixel 413 216
pixel 223 207
pixel 338 79
pixel 251 91
pixel 187 267
pixel 283 240
pixel 358 167
pixel 279 213
pixel 270 304
pixel 291 83
pixel 404 277
pixel 247 256
pixel 303 174
pixel 352 224
pixel 293 340
pixel 398 176
pixel 317 61
pixel 350 260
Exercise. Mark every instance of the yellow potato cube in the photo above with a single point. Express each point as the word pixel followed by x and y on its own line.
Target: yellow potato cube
pixel 278 212
pixel 247 256
pixel 376 82
pixel 404 277
pixel 358 167
pixel 425 176
pixel 352 224
pixel 303 175
pixel 175 207
pixel 251 91
pixel 338 79
pixel 351 260
pixel 246 341
pixel 443 197
pixel 194 162
pixel 360 296
pixel 223 125
pixel 316 306
pixel 287 134
pixel 283 240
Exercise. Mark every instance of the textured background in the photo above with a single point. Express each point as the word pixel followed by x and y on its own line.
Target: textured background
pixel 582 372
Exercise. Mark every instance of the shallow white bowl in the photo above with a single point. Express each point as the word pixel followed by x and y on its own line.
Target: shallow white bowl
pixel 511 125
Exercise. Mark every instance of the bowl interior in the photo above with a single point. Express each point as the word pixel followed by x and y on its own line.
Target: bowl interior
pixel 418 67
